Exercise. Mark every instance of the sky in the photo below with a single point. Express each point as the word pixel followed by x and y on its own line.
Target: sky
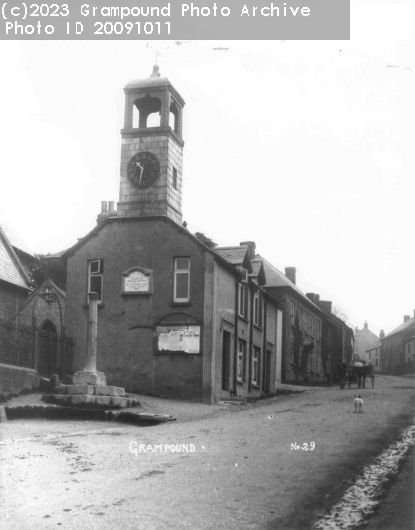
pixel 305 147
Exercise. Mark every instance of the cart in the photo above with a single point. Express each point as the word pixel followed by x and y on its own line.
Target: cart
pixel 359 373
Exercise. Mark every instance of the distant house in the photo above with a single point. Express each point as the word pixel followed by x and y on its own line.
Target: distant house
pixel 338 343
pixel 372 354
pixel 409 349
pixel 302 326
pixel 394 348
pixel 363 339
pixel 15 284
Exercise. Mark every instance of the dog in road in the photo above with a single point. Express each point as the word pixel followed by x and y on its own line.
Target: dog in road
pixel 358 403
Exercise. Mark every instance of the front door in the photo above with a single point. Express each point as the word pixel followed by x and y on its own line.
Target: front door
pixel 226 360
pixel 48 349
pixel 267 388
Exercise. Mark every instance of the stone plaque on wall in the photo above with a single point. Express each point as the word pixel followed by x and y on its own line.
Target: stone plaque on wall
pixel 137 281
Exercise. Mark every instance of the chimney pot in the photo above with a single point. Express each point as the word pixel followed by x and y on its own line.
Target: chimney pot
pixel 290 273
pixel 103 206
pixel 382 334
pixel 406 317
pixel 251 248
pixel 366 324
pixel 111 206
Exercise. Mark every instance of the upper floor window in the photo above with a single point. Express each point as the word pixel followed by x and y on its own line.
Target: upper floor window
pixel 292 313
pixel 311 324
pixel 299 317
pixel 292 351
pixel 96 277
pixel 257 310
pixel 181 279
pixel 305 319
pixel 318 329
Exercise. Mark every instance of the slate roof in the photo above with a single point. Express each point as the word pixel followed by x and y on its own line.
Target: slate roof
pixel 234 255
pixel 258 271
pixel 404 326
pixel 275 278
pixel 11 270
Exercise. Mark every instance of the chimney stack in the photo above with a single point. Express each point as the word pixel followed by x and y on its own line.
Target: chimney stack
pixel 326 306
pixel 382 334
pixel 366 324
pixel 290 273
pixel 104 212
pixel 406 317
pixel 251 248
pixel 313 297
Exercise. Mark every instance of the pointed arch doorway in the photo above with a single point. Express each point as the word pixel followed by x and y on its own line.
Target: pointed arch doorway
pixel 48 348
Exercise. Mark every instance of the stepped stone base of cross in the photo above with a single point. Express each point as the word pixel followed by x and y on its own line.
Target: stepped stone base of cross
pixel 89 386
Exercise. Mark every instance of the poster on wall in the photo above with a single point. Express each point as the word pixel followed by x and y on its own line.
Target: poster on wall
pixel 184 339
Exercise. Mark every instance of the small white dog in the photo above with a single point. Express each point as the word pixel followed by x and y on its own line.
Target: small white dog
pixel 358 403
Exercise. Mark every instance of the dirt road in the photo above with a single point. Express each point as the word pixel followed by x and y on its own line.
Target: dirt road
pixel 243 472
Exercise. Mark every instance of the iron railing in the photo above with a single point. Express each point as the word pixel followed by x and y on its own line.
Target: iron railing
pixel 17 345
pixel 30 348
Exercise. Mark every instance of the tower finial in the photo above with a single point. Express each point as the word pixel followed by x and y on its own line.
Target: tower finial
pixel 155 72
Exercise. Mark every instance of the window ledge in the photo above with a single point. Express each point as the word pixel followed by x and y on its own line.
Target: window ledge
pixel 243 318
pixel 255 385
pixel 258 327
pixel 239 382
pixel 100 306
pixel 180 303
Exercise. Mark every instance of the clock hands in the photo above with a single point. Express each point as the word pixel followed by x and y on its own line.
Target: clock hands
pixel 141 171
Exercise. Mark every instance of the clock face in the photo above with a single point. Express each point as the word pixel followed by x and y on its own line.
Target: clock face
pixel 143 170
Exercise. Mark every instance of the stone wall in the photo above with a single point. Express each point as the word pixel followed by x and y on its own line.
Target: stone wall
pixel 12 299
pixel 127 341
pixel 15 379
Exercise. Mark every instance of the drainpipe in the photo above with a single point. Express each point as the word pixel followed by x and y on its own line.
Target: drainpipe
pixel 264 348
pixel 235 342
pixel 251 337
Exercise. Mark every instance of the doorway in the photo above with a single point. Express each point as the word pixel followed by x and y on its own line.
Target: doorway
pixel 226 360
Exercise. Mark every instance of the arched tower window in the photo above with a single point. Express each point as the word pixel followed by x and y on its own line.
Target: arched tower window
pixel 148 112
pixel 174 118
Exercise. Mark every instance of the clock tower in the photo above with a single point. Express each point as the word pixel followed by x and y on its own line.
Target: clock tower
pixel 152 149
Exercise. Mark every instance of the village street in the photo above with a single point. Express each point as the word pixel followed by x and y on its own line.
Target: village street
pixel 242 474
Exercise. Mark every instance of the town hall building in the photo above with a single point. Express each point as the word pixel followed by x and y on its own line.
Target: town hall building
pixel 175 317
